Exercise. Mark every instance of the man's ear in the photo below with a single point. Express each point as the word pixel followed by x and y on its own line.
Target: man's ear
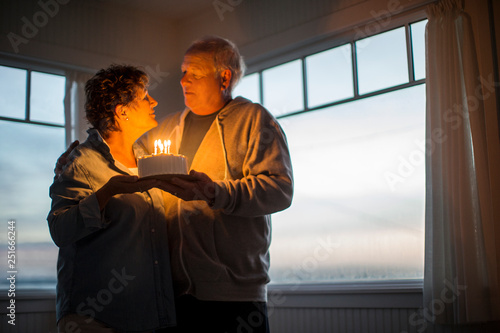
pixel 226 78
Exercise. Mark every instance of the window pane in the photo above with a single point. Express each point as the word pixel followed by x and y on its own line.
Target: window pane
pixel 358 207
pixel 249 88
pixel 47 98
pixel 283 92
pixel 382 61
pixel 28 154
pixel 329 76
pixel 418 45
pixel 12 92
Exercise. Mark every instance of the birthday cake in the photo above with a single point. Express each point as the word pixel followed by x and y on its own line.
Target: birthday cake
pixel 162 164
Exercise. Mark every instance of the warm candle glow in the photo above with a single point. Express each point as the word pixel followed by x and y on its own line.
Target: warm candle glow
pixel 162 147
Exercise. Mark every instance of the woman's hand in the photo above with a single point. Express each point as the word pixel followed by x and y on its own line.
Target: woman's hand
pixel 121 184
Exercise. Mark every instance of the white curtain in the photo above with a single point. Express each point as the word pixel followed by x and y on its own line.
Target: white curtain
pixel 461 257
pixel 74 106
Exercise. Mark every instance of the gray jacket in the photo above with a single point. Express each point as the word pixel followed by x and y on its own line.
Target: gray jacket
pixel 113 264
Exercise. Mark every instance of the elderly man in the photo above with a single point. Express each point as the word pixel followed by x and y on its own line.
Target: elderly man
pixel 220 231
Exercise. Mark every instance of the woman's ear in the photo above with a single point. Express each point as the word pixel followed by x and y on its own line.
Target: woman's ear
pixel 121 112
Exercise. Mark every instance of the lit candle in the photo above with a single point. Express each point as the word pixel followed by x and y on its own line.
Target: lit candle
pixel 161 146
pixel 167 144
pixel 156 147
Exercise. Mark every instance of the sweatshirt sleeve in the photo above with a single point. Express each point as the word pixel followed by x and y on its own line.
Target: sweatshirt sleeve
pixel 267 183
pixel 75 211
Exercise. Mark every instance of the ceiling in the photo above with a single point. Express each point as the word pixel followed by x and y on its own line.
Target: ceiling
pixel 170 9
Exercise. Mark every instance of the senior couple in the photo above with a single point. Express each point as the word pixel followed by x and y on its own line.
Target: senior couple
pixel 169 256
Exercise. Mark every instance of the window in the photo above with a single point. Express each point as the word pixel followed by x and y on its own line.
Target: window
pixel 32 136
pixel 329 76
pixel 358 159
pixel 283 88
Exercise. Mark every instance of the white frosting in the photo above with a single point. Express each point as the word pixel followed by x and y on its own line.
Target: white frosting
pixel 162 164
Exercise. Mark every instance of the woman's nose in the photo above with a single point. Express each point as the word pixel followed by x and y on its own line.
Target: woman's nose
pixel 152 101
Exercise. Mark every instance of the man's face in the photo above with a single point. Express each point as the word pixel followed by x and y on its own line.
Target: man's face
pixel 202 89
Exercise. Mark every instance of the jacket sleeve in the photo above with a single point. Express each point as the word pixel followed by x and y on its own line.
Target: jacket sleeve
pixel 75 211
pixel 267 183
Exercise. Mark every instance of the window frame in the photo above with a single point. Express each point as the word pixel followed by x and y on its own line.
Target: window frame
pixel 32 65
pixel 256 69
pixel 47 67
pixel 27 112
pixel 406 19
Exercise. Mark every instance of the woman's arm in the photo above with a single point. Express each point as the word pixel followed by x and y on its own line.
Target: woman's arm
pixel 77 210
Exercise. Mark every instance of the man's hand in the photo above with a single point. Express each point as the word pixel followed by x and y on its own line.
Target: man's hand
pixel 121 184
pixel 63 159
pixel 201 188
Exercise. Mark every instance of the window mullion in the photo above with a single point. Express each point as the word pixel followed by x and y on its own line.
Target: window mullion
pixel 261 88
pixel 354 70
pixel 409 53
pixel 28 94
pixel 304 84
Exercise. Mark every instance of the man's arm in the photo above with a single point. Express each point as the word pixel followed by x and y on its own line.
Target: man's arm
pixel 63 159
pixel 267 184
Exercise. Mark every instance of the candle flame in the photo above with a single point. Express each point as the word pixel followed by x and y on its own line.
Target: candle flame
pixel 163 147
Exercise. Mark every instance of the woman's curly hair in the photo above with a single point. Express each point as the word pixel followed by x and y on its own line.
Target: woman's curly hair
pixel 109 87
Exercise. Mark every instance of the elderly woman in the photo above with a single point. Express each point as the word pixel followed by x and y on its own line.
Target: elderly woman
pixel 220 231
pixel 113 266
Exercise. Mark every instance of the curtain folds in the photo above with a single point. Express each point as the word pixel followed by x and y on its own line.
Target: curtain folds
pixel 74 105
pixel 461 261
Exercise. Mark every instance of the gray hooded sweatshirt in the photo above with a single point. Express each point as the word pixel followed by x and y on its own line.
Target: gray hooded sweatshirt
pixel 221 252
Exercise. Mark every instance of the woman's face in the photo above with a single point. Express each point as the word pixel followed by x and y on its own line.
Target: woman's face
pixel 201 88
pixel 141 112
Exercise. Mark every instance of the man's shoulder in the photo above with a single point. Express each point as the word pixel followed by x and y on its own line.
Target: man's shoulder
pixel 244 110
